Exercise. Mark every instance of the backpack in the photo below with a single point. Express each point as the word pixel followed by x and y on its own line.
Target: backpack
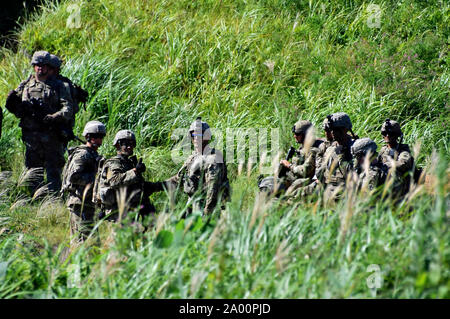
pixel 66 186
pixel 103 194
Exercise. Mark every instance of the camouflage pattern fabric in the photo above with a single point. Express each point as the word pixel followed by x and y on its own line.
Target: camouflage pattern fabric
pixel 78 177
pixel 204 179
pixel 44 147
pixel 118 177
pixel 302 168
pixel 371 178
pixel 321 151
pixel 333 173
pixel 401 162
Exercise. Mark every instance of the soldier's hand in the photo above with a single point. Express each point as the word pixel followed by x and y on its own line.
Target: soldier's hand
pixel 140 167
pixel 285 163
pixel 50 118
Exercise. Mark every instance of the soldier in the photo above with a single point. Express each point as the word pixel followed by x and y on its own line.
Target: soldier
pixel 301 171
pixel 45 109
pixel 337 162
pixel 203 176
pixel 326 143
pixel 76 92
pixel 366 165
pixel 121 186
pixel 78 180
pixel 396 157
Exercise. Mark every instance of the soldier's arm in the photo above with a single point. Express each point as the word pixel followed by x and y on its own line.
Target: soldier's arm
pixel 79 170
pixel 212 180
pixel 404 162
pixel 66 112
pixel 306 169
pixel 117 178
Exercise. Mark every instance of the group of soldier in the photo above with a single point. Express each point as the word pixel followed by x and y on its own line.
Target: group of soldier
pixel 328 165
pixel 46 104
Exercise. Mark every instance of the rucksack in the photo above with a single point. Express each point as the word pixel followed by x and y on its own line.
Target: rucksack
pixel 102 194
pixel 66 186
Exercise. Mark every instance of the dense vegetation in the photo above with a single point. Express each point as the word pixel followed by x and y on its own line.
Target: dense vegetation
pixel 154 66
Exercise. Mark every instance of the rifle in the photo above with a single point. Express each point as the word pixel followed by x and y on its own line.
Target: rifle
pixel 38 112
pixel 282 171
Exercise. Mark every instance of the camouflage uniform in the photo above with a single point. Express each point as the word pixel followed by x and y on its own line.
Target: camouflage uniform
pixel 303 167
pixel 398 160
pixel 77 94
pixel 338 160
pixel 118 177
pixel 403 163
pixel 44 144
pixel 121 184
pixel 373 176
pixel 203 176
pixel 80 179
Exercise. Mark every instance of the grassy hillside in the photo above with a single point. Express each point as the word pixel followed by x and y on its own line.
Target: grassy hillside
pixel 154 66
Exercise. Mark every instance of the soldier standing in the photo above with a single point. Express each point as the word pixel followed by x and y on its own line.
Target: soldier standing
pixel 370 173
pixel 76 92
pixel 396 157
pixel 78 180
pixel 203 176
pixel 44 107
pixel 121 186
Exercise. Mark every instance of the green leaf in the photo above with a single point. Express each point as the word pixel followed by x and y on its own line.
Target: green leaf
pixel 164 239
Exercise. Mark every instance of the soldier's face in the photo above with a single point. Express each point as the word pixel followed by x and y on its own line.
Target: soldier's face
pixel 127 148
pixel 299 138
pixel 339 135
pixel 390 138
pixel 41 69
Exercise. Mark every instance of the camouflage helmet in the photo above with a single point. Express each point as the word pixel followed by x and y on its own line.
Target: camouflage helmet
pixel 55 61
pixel 339 120
pixel 267 184
pixel 197 126
pixel 124 135
pixel 301 127
pixel 362 146
pixel 94 127
pixel 40 57
pixel 391 127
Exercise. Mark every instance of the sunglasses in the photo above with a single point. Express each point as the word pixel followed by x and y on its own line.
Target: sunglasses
pixel 127 143
pixel 96 135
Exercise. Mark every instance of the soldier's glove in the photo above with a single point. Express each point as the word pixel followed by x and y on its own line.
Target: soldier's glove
pixel 12 102
pixel 50 118
pixel 140 167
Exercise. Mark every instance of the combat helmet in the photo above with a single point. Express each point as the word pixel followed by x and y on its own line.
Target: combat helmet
pixel 339 120
pixel 362 146
pixel 391 127
pixel 55 61
pixel 40 57
pixel 94 127
pixel 124 135
pixel 200 128
pixel 301 127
